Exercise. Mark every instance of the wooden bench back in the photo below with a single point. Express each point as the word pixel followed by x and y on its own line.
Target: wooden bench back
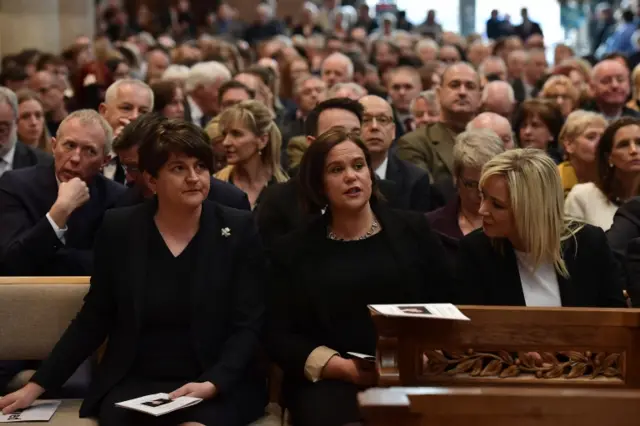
pixel 34 312
pixel 576 347
pixel 499 406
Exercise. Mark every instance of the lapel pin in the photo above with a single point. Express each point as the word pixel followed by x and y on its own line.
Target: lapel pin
pixel 226 232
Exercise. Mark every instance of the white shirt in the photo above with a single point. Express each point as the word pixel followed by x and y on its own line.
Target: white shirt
pixel 587 203
pixel 59 231
pixel 539 286
pixel 381 171
pixel 7 160
pixel 196 112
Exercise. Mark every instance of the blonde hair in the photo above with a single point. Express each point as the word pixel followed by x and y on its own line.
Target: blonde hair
pixel 561 81
pixel 635 81
pixel 537 203
pixel 578 122
pixel 258 119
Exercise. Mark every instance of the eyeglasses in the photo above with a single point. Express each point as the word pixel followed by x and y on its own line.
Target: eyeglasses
pixel 382 120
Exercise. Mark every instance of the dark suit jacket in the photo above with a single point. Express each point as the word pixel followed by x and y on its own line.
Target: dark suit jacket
pixel 412 187
pixel 297 326
pixel 227 306
pixel 444 221
pixel 221 192
pixel 626 111
pixel 25 156
pixel 490 276
pixel 624 240
pixel 524 35
pixel 28 243
pixel 519 91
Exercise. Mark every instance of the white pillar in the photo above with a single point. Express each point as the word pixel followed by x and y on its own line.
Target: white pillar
pixel 77 18
pixel 29 24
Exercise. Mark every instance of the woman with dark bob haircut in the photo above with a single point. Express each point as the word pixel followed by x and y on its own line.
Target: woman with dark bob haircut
pixel 537 124
pixel 324 275
pixel 183 309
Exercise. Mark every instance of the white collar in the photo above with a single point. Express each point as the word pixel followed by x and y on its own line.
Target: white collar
pixel 8 157
pixel 196 112
pixel 381 171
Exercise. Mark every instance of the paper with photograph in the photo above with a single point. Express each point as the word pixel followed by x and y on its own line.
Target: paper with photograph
pixel 40 411
pixel 158 404
pixel 445 311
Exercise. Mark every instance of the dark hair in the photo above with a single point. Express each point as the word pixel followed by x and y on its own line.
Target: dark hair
pixel 312 168
pixel 233 84
pixel 177 137
pixel 14 73
pixel 606 180
pixel 311 123
pixel 549 113
pixel 138 130
pixel 627 16
pixel 163 93
pixel 410 61
pixel 614 56
pixel 48 58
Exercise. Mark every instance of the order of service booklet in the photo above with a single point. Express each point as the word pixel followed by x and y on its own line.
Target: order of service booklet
pixel 158 404
pixel 445 311
pixel 39 411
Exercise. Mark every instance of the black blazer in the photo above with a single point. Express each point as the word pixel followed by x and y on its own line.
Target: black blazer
pixel 28 243
pixel 25 156
pixel 444 221
pixel 221 192
pixel 410 188
pixel 519 91
pixel 524 35
pixel 624 240
pixel 227 307
pixel 296 327
pixel 490 276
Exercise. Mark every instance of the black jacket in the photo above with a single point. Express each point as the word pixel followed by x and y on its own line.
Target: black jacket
pixel 409 187
pixel 221 192
pixel 624 240
pixel 228 305
pixel 488 275
pixel 28 243
pixel 25 156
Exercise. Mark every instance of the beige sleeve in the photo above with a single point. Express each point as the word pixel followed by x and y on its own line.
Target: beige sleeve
pixel 316 361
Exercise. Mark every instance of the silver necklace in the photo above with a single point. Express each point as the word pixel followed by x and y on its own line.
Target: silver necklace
pixel 374 228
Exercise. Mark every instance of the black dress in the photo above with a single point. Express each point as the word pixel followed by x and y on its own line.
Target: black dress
pixel 165 357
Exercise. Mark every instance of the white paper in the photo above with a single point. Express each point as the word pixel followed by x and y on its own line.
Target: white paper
pixel 158 404
pixel 421 310
pixel 40 411
pixel 363 357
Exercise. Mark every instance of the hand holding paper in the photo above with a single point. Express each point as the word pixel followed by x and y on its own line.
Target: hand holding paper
pixel 205 390
pixel 21 398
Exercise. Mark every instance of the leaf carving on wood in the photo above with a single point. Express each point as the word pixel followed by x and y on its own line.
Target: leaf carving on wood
pixel 544 365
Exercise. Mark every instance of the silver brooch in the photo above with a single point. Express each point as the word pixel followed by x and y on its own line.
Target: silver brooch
pixel 226 232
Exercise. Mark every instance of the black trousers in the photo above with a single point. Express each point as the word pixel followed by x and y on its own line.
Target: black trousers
pixel 323 403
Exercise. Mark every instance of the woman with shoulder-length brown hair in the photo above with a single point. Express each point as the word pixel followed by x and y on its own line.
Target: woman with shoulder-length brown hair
pixel 326 273
pixel 31 121
pixel 618 177
pixel 168 99
pixel 537 124
pixel 560 90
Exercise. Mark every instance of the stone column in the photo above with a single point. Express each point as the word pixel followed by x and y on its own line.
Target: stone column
pixel 77 18
pixel 29 24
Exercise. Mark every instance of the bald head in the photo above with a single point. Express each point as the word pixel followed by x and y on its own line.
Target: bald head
pixel 337 68
pixel 498 97
pixel 610 85
pixel 375 102
pixel 495 122
pixel 461 67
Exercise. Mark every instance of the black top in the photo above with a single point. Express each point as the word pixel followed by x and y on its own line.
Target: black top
pixel 165 349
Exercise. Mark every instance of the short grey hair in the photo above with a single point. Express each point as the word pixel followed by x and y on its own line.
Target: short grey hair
pixel 309 6
pixel 498 85
pixel 345 58
pixel 8 97
pixel 297 85
pixel 355 87
pixel 112 91
pixel 427 42
pixel 429 96
pixel 474 148
pixel 205 73
pixel 176 72
pixel 89 117
pixel 490 59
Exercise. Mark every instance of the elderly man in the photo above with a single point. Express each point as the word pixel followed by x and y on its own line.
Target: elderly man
pixel 491 69
pixel 431 147
pixel 427 50
pixel 233 92
pixel 534 69
pixel 51 213
pixel 51 91
pixel 610 88
pixel 336 68
pixel 497 123
pixel 516 62
pixel 157 63
pixel 404 85
pixel 477 52
pixel 202 86
pixel 498 97
pixel 352 91
pixel 412 189
pixel 124 101
pixel 13 153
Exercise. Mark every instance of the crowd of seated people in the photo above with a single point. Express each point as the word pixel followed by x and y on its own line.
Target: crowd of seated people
pixel 240 200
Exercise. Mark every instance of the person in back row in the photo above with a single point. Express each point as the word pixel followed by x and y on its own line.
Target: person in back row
pixel 127 147
pixel 527 253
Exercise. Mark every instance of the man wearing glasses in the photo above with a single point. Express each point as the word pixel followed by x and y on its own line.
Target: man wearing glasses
pixel 411 188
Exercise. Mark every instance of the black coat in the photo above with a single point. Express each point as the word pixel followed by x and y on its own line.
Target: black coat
pixel 624 240
pixel 488 275
pixel 409 187
pixel 25 156
pixel 28 243
pixel 227 307
pixel 220 192
pixel 534 28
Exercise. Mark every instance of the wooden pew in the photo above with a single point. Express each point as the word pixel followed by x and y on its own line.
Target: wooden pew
pixel 499 406
pixel 578 348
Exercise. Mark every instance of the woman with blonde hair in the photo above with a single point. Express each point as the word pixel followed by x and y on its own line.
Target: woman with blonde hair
pixel 560 90
pixel 527 253
pixel 31 121
pixel 252 143
pixel 580 137
pixel 634 103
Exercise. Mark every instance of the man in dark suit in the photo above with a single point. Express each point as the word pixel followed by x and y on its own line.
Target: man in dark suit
pixel 404 86
pixel 126 147
pixel 610 88
pixel 50 214
pixel 535 67
pixel 14 154
pixel 412 189
pixel 528 27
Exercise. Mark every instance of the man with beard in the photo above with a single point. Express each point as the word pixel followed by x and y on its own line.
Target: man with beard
pixel 431 147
